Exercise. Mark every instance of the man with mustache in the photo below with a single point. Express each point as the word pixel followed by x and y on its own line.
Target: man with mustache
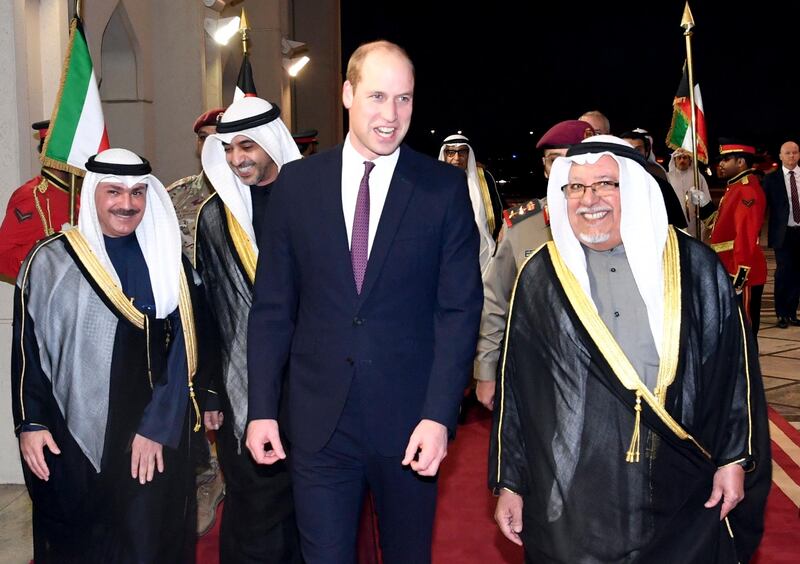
pixel 103 359
pixel 630 403
pixel 242 160
pixel 526 228
pixel 487 204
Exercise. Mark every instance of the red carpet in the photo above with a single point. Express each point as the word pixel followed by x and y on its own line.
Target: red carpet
pixel 465 531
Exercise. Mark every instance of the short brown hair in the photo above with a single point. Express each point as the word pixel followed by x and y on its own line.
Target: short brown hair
pixel 360 54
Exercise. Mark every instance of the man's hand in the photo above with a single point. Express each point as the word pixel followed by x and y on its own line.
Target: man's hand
pixel 212 420
pixel 484 391
pixel 430 439
pixel 263 432
pixel 146 456
pixel 31 446
pixel 508 515
pixel 729 487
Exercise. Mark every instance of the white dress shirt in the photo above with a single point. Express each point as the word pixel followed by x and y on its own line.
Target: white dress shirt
pixel 786 181
pixel 379 180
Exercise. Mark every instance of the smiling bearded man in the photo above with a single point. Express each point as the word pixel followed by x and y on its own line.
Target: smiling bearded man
pixel 242 160
pixel 630 403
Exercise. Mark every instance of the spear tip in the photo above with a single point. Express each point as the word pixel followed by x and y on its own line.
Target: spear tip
pixel 243 23
pixel 687 21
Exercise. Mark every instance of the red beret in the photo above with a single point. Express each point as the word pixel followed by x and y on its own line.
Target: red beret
pixel 211 117
pixel 565 134
pixel 42 127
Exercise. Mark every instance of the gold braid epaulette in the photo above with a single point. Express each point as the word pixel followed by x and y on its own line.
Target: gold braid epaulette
pixel 47 222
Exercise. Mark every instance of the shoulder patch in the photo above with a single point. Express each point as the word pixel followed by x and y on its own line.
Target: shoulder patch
pixel 22 216
pixel 514 215
pixel 748 203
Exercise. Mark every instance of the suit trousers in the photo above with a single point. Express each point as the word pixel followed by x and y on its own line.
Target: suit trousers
pixel 258 522
pixel 787 274
pixel 329 487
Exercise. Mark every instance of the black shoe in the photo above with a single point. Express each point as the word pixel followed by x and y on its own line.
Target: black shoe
pixel 794 321
pixel 783 323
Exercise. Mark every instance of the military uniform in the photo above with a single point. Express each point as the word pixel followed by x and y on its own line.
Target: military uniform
pixel 187 196
pixel 35 210
pixel 525 229
pixel 735 239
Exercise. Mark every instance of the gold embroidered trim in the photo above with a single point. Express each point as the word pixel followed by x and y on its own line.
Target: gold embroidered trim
pixel 487 199
pixel 103 278
pixel 731 463
pixel 747 375
pixel 610 349
pixel 722 247
pixel 730 529
pixel 147 349
pixel 243 245
pixel 505 355
pixel 22 286
pixel 190 341
pixel 671 336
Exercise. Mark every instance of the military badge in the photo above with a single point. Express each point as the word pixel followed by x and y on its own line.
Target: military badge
pixel 22 216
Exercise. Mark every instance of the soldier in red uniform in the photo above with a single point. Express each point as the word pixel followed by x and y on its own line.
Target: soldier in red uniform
pixel 35 210
pixel 738 225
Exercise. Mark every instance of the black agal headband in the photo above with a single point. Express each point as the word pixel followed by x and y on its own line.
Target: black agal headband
pixel 249 122
pixel 595 147
pixel 100 167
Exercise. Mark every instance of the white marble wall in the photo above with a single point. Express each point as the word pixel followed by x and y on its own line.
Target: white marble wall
pixel 12 165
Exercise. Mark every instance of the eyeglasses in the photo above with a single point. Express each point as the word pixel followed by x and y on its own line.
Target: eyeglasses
pixel 453 152
pixel 576 190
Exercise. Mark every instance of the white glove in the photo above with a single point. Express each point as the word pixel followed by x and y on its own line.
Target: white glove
pixel 698 197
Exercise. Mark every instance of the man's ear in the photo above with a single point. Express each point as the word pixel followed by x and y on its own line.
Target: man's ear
pixel 347 94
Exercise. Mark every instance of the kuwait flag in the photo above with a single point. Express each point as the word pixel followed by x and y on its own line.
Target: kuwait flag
pixel 245 86
pixel 680 132
pixel 77 128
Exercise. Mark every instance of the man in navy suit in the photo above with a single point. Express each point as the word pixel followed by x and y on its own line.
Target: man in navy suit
pixel 368 298
pixel 781 188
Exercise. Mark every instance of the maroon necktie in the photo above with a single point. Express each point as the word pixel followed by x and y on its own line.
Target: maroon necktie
pixel 359 244
pixel 795 199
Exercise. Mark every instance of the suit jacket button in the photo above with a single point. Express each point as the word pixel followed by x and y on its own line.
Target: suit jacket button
pixel 349 360
pixel 358 321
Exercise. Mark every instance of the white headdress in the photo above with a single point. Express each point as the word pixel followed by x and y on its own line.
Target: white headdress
pixel 158 233
pixel 260 121
pixel 478 206
pixel 643 221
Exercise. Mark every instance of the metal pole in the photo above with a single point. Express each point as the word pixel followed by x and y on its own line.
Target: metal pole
pixel 687 23
pixel 73 196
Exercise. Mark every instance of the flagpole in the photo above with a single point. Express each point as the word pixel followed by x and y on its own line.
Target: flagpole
pixel 73 179
pixel 687 23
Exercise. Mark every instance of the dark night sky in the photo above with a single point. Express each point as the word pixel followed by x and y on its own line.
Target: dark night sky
pixel 512 69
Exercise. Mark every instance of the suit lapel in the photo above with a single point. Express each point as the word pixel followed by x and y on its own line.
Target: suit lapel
pixel 394 208
pixel 330 203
